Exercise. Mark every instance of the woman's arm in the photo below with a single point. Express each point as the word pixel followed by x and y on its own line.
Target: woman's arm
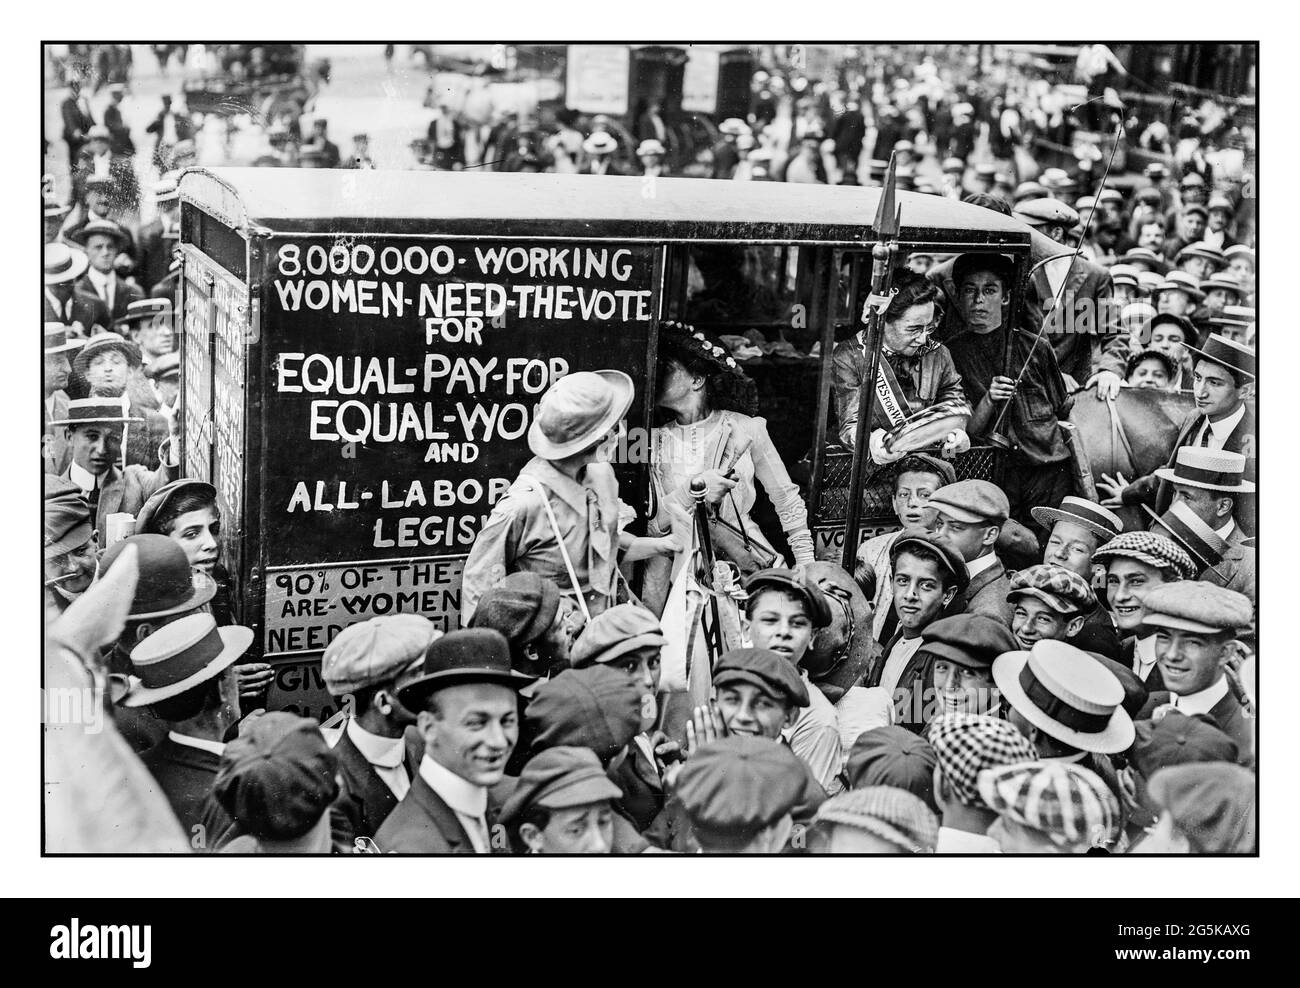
pixel 783 492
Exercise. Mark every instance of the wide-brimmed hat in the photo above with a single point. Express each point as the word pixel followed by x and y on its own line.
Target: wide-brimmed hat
pixel 104 228
pixel 101 343
pixel 1240 250
pixel 1201 249
pixel 56 339
pixel 1226 353
pixel 1123 274
pixel 650 146
pixel 1209 469
pixel 1066 694
pixel 1222 281
pixel 1206 546
pixel 145 308
pixel 577 410
pixel 1145 255
pixel 182 655
pixel 104 411
pixel 600 142
pixel 471 655
pixel 1181 281
pixel 1102 522
pixel 166 584
pixel 64 262
pixel 160 498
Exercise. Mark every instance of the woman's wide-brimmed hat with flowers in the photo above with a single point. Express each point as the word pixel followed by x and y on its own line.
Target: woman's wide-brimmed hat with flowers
pixel 687 339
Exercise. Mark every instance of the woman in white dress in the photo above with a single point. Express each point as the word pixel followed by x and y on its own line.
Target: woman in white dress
pixel 712 435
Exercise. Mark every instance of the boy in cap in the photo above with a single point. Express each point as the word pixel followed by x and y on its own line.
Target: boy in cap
pixel 467 714
pixel 1050 604
pixel 363 667
pixel 1206 808
pixel 277 781
pixel 536 619
pixel 739 794
pixel 782 613
pixel 562 804
pixel 1195 626
pixel 892 756
pixel 1049 808
pixel 965 745
pixel 967 517
pixel 560 517
pixel 958 653
pixel 875 820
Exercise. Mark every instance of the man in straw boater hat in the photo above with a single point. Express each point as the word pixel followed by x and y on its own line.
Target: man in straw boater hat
pixel 93 429
pixel 1195 626
pixel 54 405
pixel 1050 807
pixel 1223 377
pixel 159 237
pixel 600 149
pixel 467 714
pixel 108 366
pixel 1069 705
pixel 148 322
pixel 1076 529
pixel 71 547
pixel 184 674
pixel 560 517
pixel 83 312
pixel 103 240
pixel 1208 484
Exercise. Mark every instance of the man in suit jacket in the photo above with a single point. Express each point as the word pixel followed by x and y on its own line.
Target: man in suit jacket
pixel 186 676
pixel 58 348
pixel 82 312
pixel 77 121
pixel 1223 378
pixel 1195 624
pixel 94 433
pixel 379 750
pixel 969 516
pixel 103 240
pixel 159 237
pixel 468 717
pixel 121 142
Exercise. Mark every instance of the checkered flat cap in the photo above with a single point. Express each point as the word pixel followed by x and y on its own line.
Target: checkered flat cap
pixel 1150 548
pixel 968 744
pixel 1061 589
pixel 1067 803
pixel 892 814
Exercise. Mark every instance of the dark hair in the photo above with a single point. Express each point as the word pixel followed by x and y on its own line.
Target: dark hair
pixel 932 555
pixel 191 703
pixel 179 505
pixel 725 390
pixel 785 592
pixel 987 201
pixel 915 464
pixel 996 264
pixel 912 289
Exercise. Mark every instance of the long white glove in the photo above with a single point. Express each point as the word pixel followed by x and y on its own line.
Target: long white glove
pixel 879 454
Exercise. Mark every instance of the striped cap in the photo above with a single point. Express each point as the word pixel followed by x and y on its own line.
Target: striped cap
pixel 1181 281
pixel 1206 546
pixel 84 411
pixel 56 339
pixel 1102 522
pixel 1069 805
pixel 967 744
pixel 891 814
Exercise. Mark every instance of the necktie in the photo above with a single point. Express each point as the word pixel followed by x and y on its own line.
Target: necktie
pixel 1205 435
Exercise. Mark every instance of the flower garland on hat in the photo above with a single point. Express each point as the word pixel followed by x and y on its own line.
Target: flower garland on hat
pixel 690 340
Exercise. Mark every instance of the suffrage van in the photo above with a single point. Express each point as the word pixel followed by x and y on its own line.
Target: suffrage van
pixel 362 352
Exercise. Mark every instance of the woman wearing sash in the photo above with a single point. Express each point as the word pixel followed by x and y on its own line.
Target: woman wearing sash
pixel 713 435
pixel 915 373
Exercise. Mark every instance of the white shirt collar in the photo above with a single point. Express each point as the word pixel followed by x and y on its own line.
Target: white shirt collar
pixel 1144 656
pixel 99 279
pixel 981 563
pixel 84 479
pixel 964 842
pixel 1202 702
pixel 1223 428
pixel 461 795
pixel 203 744
pixel 1078 756
pixel 1226 531
pixel 381 751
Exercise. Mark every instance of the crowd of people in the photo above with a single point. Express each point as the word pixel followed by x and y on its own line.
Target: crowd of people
pixel 1019 667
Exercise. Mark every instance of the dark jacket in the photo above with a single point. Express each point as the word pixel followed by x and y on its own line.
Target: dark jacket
pixel 87 308
pixel 1159 494
pixel 365 801
pixel 126 490
pixel 1153 681
pixel 925 380
pixel 1083 321
pixel 185 776
pixel 1236 570
pixel 155 253
pixel 423 824
pixel 1228 713
pixel 124 293
pixel 986 594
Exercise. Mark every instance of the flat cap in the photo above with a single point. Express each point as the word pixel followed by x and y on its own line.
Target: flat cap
pixel 376 651
pixel 763 668
pixel 967 744
pixel 893 756
pixel 614 632
pixel 1043 212
pixel 597 708
pixel 1177 739
pixel 737 786
pixel 278 777
pixel 521 606
pixel 557 779
pixel 67 517
pixel 970 640
pixel 795 582
pixel 1212 803
pixel 1194 605
pixel 917 462
pixel 973 502
pixel 930 547
pixel 1068 804
pixel 894 815
pixel 1149 548
pixel 1063 590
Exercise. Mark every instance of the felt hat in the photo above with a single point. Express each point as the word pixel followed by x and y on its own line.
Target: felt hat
pixel 166 584
pixel 459 658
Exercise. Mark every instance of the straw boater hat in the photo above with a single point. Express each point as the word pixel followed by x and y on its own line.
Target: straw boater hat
pixel 104 228
pixel 84 411
pixel 1066 694
pixel 1102 522
pixel 1202 249
pixel 1225 282
pixel 1206 546
pixel 1208 469
pixel 1145 255
pixel 56 339
pixel 182 655
pixel 1225 352
pixel 166 189
pixel 64 263
pixel 600 142
pixel 144 308
pixel 1240 250
pixel 1181 281
pixel 648 147
pixel 101 343
pixel 577 411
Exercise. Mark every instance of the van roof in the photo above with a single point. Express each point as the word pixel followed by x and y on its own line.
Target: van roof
pixel 297 200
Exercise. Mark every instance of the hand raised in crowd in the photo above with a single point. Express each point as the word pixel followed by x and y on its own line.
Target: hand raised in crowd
pixel 1002 388
pixel 1112 487
pixel 254 678
pixel 1108 385
pixel 704 727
